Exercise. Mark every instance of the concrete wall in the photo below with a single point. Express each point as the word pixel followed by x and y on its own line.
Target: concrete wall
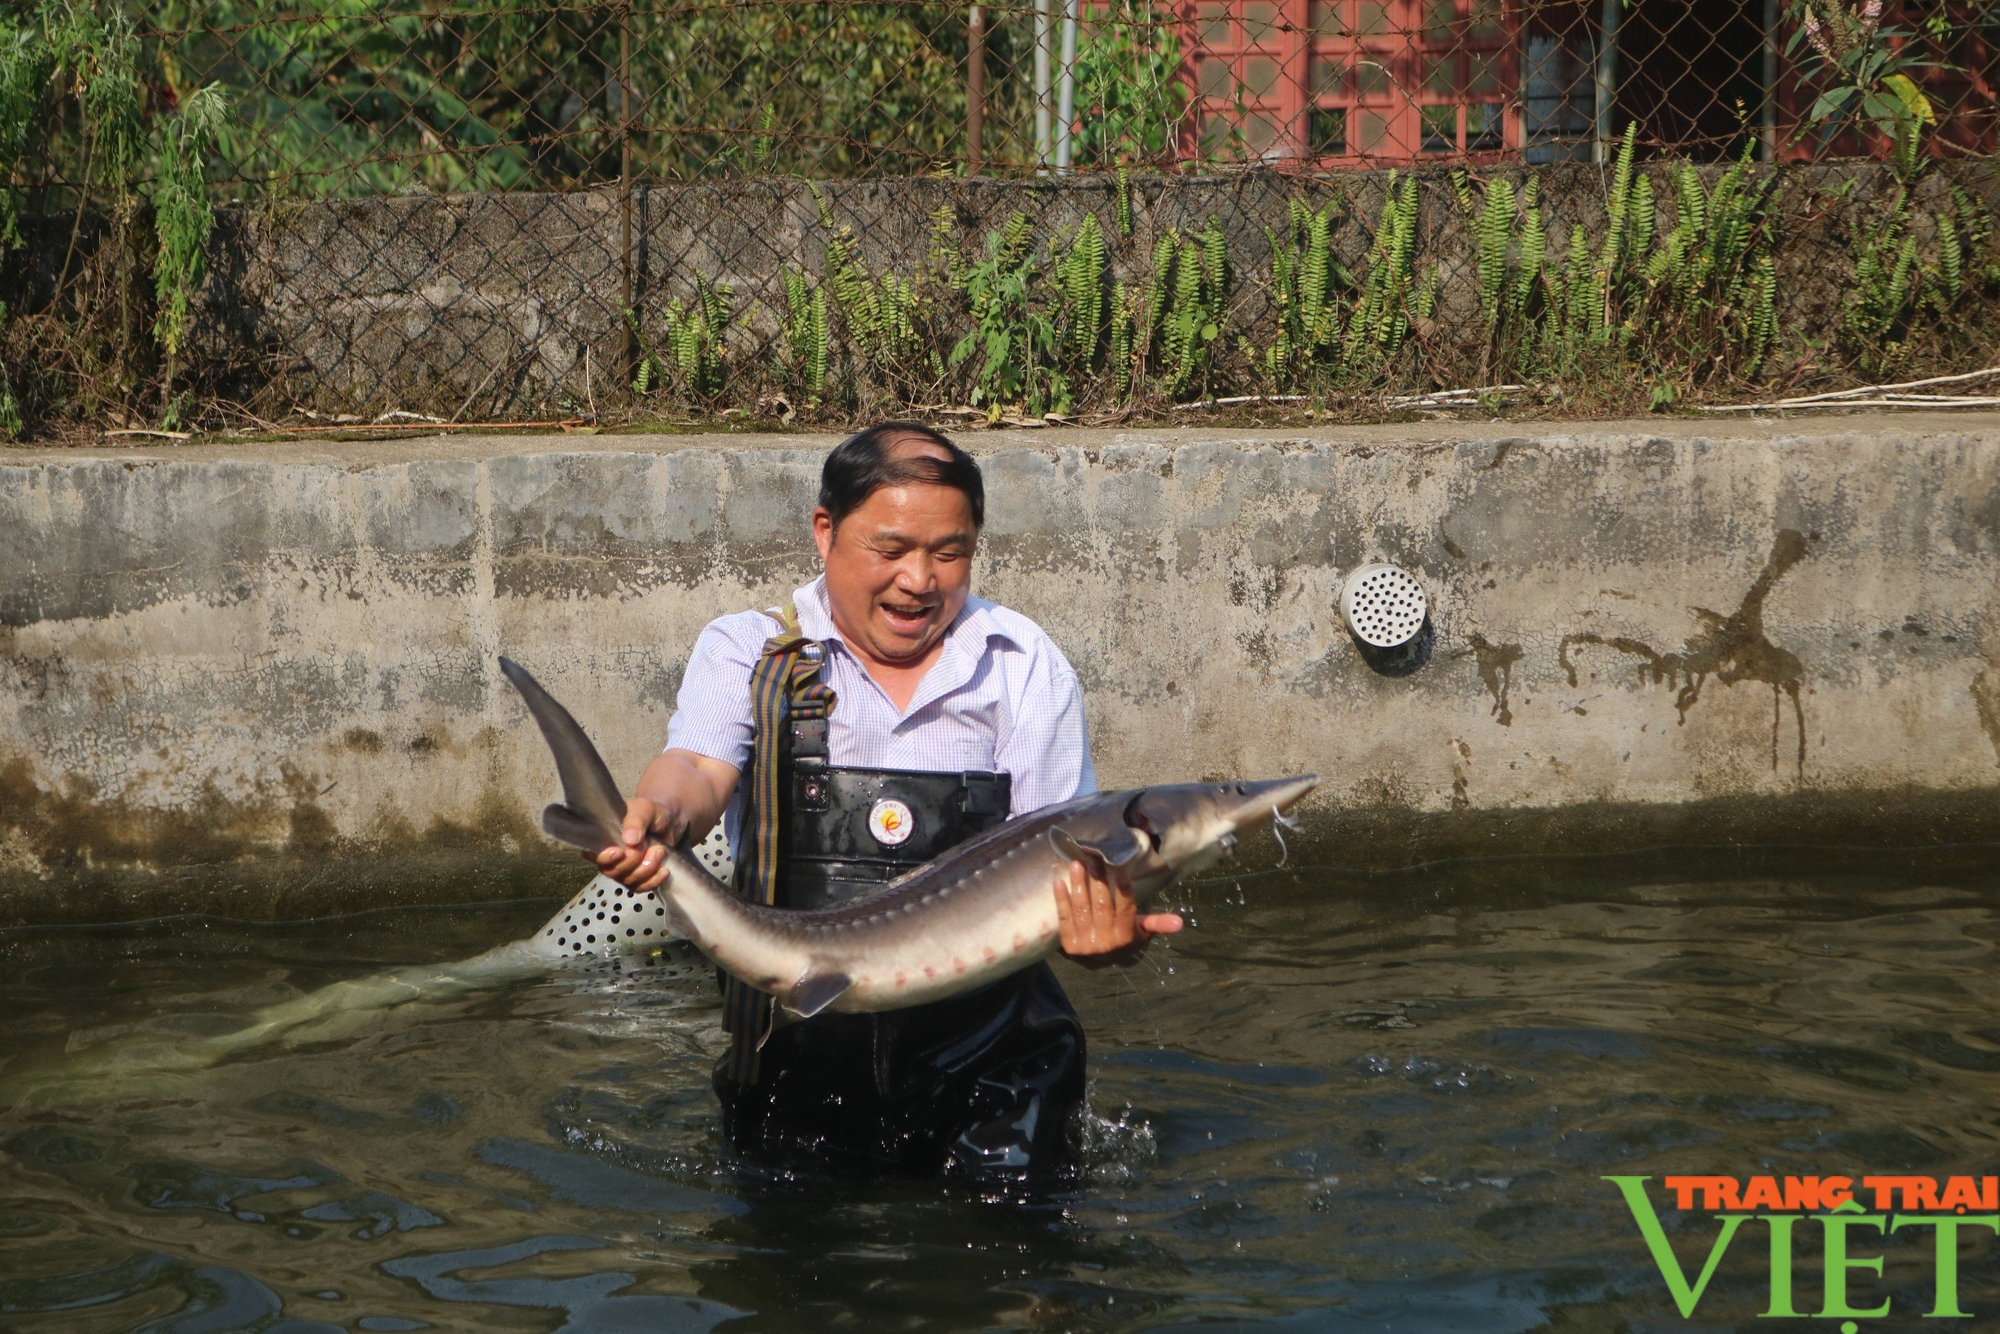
pixel 261 678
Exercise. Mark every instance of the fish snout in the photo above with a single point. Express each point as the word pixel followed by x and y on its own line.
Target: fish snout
pixel 1246 804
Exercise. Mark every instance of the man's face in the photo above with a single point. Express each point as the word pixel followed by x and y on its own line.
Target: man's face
pixel 898 569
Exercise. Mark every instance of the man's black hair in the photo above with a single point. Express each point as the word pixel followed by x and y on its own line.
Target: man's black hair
pixel 865 462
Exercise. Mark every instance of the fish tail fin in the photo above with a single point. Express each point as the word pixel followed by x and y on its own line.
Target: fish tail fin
pixel 592 814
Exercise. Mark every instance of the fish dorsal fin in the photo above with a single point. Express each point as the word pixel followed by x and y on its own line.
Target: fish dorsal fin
pixel 1116 849
pixel 813 992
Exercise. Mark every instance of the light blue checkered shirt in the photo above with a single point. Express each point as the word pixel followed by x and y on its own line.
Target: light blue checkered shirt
pixel 1000 698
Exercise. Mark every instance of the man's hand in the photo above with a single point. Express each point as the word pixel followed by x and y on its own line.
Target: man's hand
pixel 1101 922
pixel 680 793
pixel 638 860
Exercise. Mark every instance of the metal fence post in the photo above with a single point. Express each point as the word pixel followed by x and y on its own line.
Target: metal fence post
pixel 629 315
pixel 1607 79
pixel 975 87
pixel 1770 117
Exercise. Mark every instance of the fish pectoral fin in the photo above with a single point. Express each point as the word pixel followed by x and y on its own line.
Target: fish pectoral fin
pixel 1119 849
pixel 814 992
pixel 564 825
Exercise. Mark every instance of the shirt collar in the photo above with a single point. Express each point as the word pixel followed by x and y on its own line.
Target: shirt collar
pixel 815 616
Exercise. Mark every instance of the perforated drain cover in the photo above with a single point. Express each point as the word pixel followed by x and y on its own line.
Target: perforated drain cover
pixel 1383 606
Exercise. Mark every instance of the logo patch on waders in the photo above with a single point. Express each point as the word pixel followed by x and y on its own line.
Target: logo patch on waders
pixel 891 822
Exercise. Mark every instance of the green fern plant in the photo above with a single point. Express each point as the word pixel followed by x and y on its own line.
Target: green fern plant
pixel 1510 247
pixel 883 317
pixel 1974 233
pixel 807 334
pixel 1185 309
pixel 1887 289
pixel 765 139
pixel 1704 296
pixel 1761 318
pixel 1122 340
pixel 1575 306
pixel 1618 229
pixel 695 339
pixel 1901 286
pixel 1307 284
pixel 1493 231
pixel 1077 298
pixel 1526 293
pixel 1696 303
pixel 647 370
pixel 1391 294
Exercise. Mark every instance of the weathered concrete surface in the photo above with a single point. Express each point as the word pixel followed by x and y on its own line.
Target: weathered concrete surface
pixel 261 679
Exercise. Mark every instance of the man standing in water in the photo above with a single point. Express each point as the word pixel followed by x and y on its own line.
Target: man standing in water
pixel 952 715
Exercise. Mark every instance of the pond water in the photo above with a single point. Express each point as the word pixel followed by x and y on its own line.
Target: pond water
pixel 1340 1102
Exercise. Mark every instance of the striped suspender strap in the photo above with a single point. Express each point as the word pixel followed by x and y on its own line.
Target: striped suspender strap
pixel 785 689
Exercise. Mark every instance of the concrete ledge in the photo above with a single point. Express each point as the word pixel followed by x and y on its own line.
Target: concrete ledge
pixel 260 679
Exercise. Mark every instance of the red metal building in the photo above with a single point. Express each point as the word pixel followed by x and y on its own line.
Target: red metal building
pixel 1352 82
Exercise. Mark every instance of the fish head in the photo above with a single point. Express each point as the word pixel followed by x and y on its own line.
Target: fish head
pixel 1192 826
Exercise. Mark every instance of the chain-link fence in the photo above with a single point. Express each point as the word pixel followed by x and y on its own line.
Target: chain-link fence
pixel 356 99
pixel 566 206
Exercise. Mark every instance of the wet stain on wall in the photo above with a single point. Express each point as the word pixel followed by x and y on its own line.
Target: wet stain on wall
pixel 1496 670
pixel 75 827
pixel 1730 648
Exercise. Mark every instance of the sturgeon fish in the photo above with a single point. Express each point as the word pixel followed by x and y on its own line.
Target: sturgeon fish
pixel 982 910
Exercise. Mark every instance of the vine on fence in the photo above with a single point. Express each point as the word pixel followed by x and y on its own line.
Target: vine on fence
pixel 67 55
pixel 182 219
pixel 1867 68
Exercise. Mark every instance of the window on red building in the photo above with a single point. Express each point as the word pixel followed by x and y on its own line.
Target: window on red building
pixel 1356 80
